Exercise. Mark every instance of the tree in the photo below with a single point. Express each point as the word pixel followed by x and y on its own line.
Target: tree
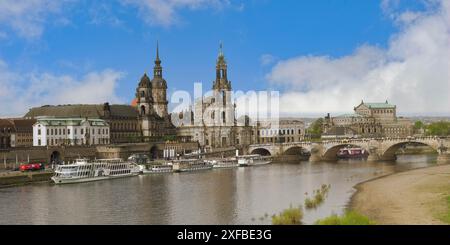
pixel 418 125
pixel 441 128
pixel 316 128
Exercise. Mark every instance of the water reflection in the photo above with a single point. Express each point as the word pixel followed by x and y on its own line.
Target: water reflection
pixel 229 196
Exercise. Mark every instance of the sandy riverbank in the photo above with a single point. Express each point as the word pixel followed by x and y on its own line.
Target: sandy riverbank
pixel 412 197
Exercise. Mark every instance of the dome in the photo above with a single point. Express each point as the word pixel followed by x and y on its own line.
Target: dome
pixel 145 81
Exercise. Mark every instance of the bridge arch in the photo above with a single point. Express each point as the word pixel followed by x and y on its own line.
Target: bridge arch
pixel 330 154
pixel 390 152
pixel 261 151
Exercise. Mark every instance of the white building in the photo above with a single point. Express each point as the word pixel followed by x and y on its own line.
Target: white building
pixel 280 131
pixel 50 131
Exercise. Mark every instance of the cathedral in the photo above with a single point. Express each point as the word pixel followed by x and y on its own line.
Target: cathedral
pixel 212 119
pixel 213 122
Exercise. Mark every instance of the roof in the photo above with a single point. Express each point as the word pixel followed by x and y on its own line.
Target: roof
pixel 349 115
pixel 18 124
pixel 377 105
pixel 49 121
pixel 77 111
pixel 145 82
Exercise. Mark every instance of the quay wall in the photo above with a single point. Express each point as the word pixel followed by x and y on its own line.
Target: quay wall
pixel 17 178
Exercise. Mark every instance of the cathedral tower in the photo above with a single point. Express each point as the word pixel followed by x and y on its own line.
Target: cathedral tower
pixel 221 83
pixel 224 108
pixel 144 96
pixel 159 88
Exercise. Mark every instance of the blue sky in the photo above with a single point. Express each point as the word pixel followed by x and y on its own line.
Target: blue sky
pixel 78 40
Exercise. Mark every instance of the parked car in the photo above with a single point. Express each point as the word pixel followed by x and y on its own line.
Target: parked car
pixel 31 167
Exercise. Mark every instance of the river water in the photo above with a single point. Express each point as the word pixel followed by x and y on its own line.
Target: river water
pixel 227 196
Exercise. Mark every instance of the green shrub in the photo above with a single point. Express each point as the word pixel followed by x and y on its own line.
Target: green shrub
pixel 290 216
pixel 349 218
pixel 319 197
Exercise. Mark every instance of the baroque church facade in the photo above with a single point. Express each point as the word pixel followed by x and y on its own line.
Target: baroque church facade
pixel 212 119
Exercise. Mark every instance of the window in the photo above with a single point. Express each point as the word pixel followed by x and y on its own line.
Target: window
pixel 75 131
pixel 48 131
pixel 39 132
pixel 39 142
pixel 81 131
pixel 68 131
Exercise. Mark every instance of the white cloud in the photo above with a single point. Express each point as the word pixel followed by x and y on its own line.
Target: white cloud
pixel 164 12
pixel 267 59
pixel 412 72
pixel 28 17
pixel 21 91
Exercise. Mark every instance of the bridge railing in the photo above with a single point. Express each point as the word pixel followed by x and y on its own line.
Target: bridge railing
pixel 356 140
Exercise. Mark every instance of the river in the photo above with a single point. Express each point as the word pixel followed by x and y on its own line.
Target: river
pixel 226 196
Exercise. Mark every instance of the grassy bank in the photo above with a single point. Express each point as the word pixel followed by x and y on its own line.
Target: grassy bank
pixel 349 218
pixel 445 215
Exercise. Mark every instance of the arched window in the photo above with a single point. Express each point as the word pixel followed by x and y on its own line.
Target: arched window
pixel 142 93
pixel 142 110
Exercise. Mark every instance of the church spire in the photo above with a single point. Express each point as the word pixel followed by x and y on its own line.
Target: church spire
pixel 221 82
pixel 157 70
pixel 157 51
pixel 221 50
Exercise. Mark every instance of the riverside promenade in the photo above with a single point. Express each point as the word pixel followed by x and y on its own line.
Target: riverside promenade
pixel 417 196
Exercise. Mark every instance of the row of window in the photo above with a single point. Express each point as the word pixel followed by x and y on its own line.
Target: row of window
pixel 271 132
pixel 73 141
pixel 378 111
pixel 62 131
pixel 123 126
pixel 277 139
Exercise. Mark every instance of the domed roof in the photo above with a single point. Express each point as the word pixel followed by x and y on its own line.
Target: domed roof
pixel 145 81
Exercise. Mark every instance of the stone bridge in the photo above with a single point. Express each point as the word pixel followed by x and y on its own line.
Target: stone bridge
pixel 379 148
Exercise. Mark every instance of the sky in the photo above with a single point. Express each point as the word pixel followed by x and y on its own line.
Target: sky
pixel 322 56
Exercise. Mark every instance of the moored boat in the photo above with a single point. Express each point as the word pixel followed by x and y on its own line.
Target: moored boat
pixel 352 152
pixel 253 160
pixel 224 162
pixel 83 170
pixel 189 165
pixel 158 169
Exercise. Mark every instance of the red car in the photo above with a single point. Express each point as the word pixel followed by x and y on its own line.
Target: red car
pixel 31 167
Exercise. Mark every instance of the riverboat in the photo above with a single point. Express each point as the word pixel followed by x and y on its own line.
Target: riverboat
pixel 190 165
pixel 158 169
pixel 224 162
pixel 352 152
pixel 83 170
pixel 253 160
